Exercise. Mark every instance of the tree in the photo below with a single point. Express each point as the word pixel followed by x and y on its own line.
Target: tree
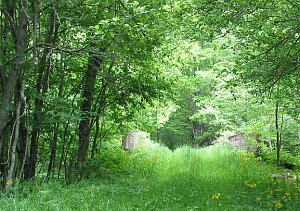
pixel 11 77
pixel 266 35
pixel 87 69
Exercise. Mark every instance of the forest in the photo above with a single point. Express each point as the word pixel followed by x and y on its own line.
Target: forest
pixel 208 89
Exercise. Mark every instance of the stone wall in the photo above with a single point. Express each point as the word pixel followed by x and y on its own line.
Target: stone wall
pixel 131 140
pixel 238 141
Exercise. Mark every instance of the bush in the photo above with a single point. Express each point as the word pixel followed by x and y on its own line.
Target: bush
pixel 287 160
pixel 109 163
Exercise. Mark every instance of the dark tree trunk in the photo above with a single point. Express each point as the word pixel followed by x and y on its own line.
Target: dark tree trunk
pixel 41 88
pixel 62 155
pixel 54 141
pixel 11 173
pixel 19 33
pixel 9 88
pixel 94 147
pixel 23 142
pixel 8 77
pixel 94 64
pixel 278 141
pixel 51 165
pixel 99 110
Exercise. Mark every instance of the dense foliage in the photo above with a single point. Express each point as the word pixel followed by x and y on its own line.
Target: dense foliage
pixel 72 75
pixel 77 76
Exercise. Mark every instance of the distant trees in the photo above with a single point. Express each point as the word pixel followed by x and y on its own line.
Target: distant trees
pixel 267 46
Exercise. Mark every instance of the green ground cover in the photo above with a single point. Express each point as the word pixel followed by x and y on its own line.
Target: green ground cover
pixel 214 178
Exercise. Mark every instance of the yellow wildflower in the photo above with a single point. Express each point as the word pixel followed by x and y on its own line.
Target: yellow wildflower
pixel 215 196
pixel 248 156
pixel 258 199
pixel 278 205
pixel 9 182
pixel 287 196
pixel 250 185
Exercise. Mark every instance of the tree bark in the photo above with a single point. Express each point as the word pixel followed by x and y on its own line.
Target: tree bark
pixel 23 143
pixel 54 141
pixel 52 158
pixel 94 64
pixel 62 154
pixel 8 91
pixel 100 110
pixel 94 146
pixel 41 88
pixel 11 173
pixel 278 141
pixel 19 33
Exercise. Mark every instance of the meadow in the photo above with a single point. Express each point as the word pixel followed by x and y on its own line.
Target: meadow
pixel 156 178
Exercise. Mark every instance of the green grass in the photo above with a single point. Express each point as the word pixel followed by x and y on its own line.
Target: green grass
pixel 213 178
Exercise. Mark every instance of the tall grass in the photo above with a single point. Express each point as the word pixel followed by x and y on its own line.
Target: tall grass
pixel 213 178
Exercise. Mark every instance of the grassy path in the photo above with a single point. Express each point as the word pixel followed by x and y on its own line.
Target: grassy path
pixel 186 179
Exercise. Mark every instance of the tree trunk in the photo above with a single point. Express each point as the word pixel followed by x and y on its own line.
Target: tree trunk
pixel 63 154
pixel 278 141
pixel 94 64
pixel 100 110
pixel 19 34
pixel 6 100
pixel 52 158
pixel 23 144
pixel 41 88
pixel 11 173
pixel 54 141
pixel 94 147
pixel 8 83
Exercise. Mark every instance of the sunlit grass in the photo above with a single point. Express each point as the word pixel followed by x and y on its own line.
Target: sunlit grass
pixel 213 178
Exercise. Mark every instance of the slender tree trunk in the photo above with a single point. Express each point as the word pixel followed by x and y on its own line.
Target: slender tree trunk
pixel 41 88
pixel 11 173
pixel 66 143
pixel 52 158
pixel 6 100
pixel 99 110
pixel 94 64
pixel 69 167
pixel 23 145
pixel 94 147
pixel 278 141
pixel 54 141
pixel 23 138
pixel 10 83
pixel 62 156
pixel 19 33
pixel 31 164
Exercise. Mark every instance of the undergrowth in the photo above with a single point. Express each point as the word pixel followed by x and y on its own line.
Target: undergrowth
pixel 156 178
